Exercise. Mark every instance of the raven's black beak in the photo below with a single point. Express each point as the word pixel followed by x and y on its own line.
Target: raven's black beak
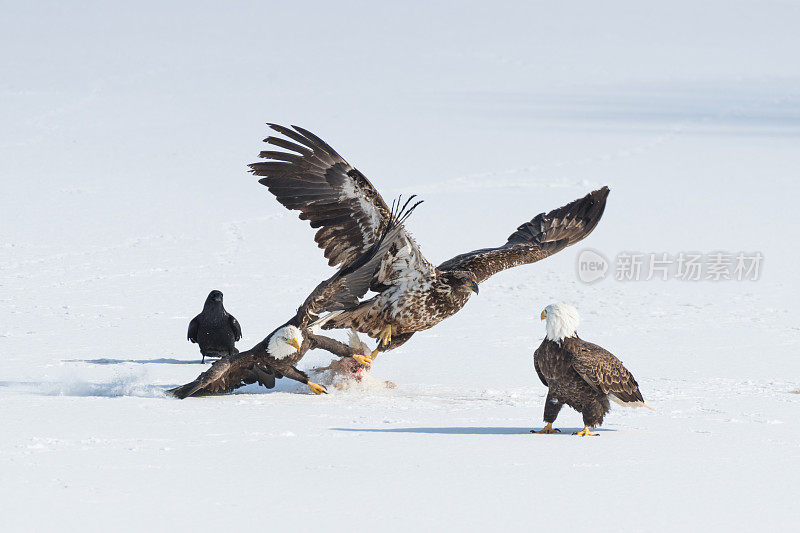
pixel 473 285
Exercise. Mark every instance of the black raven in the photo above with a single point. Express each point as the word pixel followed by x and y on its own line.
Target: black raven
pixel 215 330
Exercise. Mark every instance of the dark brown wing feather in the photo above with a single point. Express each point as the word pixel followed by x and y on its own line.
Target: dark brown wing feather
pixel 327 191
pixel 352 281
pixel 340 201
pixel 602 371
pixel 543 236
pixel 538 370
pixel 228 374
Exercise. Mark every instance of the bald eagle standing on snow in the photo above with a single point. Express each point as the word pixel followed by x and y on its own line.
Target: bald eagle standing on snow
pixel 413 294
pixel 579 373
pixel 277 355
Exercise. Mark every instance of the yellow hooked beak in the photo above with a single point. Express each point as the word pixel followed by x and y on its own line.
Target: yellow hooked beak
pixel 294 344
pixel 473 286
pixel 544 314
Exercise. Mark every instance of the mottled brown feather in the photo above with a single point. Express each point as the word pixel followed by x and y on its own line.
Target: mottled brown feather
pixel 582 375
pixel 602 370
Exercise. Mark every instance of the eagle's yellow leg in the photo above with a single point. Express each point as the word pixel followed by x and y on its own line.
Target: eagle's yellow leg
pixel 548 429
pixel 384 338
pixel 316 388
pixel 585 432
pixel 363 359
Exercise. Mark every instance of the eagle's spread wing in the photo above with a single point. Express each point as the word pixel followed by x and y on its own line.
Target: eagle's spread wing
pixel 351 282
pixel 543 236
pixel 227 374
pixel 237 329
pixel 257 366
pixel 604 372
pixel 334 197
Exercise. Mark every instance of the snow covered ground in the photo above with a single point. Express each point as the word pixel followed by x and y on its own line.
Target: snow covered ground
pixel 125 199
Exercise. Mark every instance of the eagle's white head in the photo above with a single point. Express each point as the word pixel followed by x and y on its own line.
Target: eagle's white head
pixel 285 342
pixel 562 321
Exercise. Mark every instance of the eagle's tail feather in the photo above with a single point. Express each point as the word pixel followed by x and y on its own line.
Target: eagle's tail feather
pixel 618 401
pixel 316 326
pixel 361 318
pixel 355 342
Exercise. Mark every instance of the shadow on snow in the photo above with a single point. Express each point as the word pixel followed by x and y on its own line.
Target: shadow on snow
pixel 465 430
pixel 160 361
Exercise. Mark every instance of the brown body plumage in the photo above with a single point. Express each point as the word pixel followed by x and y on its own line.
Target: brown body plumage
pixel 413 294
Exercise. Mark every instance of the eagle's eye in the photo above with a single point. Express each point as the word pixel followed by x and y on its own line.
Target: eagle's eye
pixel 471 285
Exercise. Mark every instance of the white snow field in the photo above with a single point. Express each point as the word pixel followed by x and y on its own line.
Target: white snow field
pixel 127 128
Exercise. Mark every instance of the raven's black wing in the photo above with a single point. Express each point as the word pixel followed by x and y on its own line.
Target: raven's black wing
pixel 191 335
pixel 237 329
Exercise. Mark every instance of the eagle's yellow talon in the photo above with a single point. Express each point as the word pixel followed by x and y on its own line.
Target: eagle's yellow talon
pixel 317 388
pixel 547 429
pixel 362 359
pixel 385 336
pixel 585 432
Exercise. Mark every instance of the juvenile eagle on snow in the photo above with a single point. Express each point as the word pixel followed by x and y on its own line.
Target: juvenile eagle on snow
pixel 214 329
pixel 277 355
pixel 413 294
pixel 580 374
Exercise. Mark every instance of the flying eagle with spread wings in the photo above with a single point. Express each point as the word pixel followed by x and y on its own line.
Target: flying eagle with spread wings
pixel 277 355
pixel 412 294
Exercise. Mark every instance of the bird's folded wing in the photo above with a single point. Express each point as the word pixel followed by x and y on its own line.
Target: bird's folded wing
pixel 604 372
pixel 191 334
pixel 332 195
pixel 539 372
pixel 237 328
pixel 543 236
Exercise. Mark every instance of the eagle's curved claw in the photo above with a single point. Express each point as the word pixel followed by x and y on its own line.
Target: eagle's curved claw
pixel 316 388
pixel 585 433
pixel 385 336
pixel 547 429
pixel 363 359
